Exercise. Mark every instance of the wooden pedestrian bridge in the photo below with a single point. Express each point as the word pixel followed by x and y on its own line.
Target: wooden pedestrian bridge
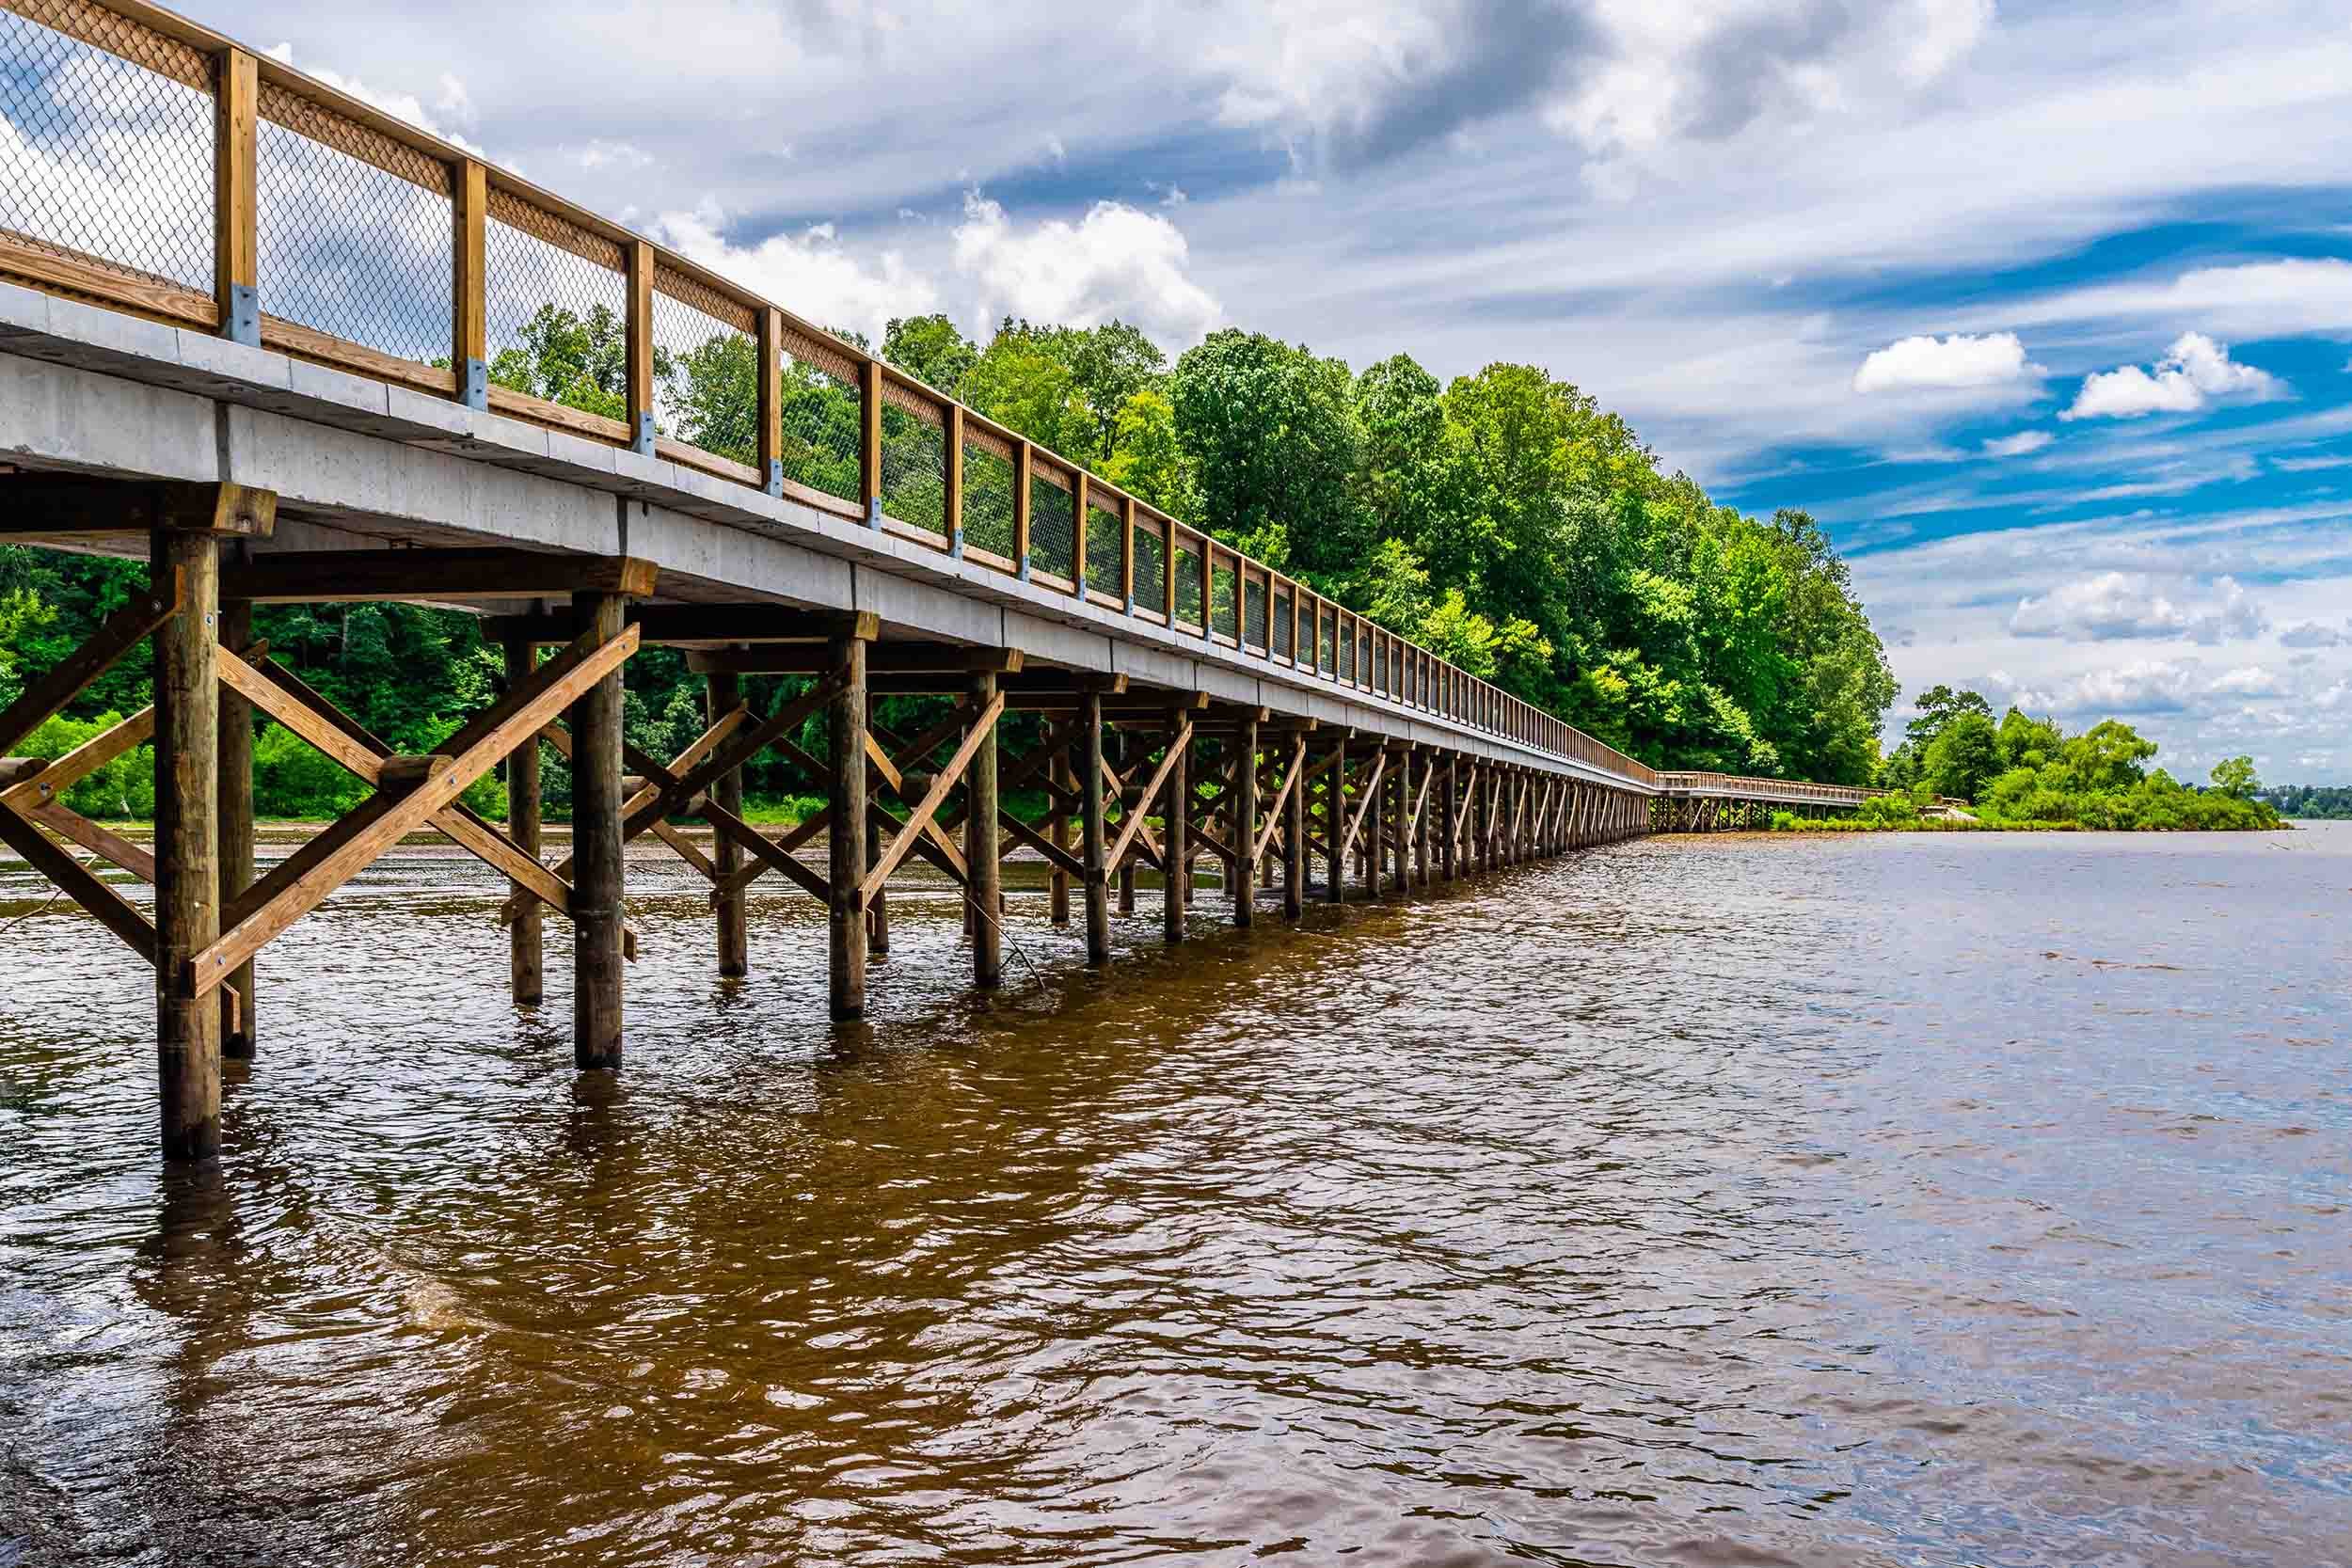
pixel 251 329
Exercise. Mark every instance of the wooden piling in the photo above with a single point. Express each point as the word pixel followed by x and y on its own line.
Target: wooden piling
pixel 1402 849
pixel 981 841
pixel 845 833
pixel 1294 835
pixel 1243 873
pixel 722 695
pixel 1130 801
pixel 235 771
pixel 597 796
pixel 1091 827
pixel 1175 843
pixel 1057 774
pixel 1335 826
pixel 526 966
pixel 1449 823
pixel 187 843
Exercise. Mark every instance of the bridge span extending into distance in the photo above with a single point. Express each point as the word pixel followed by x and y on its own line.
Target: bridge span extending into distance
pixel 250 331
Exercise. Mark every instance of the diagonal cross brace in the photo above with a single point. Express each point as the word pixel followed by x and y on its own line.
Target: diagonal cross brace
pixel 304 880
pixel 1133 823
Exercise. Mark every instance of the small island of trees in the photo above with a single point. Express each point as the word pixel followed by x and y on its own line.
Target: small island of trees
pixel 2019 773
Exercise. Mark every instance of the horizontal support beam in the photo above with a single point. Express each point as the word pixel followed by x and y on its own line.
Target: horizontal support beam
pixel 326 577
pixel 39 505
pixel 697 623
pixel 816 658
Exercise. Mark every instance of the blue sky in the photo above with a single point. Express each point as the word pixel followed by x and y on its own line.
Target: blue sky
pixel 2045 310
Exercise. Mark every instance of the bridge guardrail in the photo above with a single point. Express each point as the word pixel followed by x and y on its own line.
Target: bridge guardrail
pixel 1691 783
pixel 153 166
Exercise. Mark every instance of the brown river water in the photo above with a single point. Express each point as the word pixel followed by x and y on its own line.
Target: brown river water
pixel 1748 1200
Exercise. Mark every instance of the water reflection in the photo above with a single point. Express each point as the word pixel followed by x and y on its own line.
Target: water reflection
pixel 1732 1200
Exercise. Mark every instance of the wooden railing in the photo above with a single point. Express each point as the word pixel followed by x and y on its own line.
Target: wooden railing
pixel 1735 786
pixel 447 261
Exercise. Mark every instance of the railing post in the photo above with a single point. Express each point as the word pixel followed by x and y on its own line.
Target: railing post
pixel 236 226
pixel 769 348
pixel 1208 583
pixel 1078 504
pixel 469 299
pixel 1127 552
pixel 870 442
pixel 1022 472
pixel 638 366
pixel 951 480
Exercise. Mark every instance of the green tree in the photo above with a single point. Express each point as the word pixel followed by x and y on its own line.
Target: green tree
pixel 933 349
pixel 2235 777
pixel 1939 705
pixel 1270 428
pixel 1963 756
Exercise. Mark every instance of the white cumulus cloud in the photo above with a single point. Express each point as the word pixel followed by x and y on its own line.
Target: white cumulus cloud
pixel 2316 634
pixel 2116 606
pixel 2194 374
pixel 1963 359
pixel 810 274
pixel 1115 262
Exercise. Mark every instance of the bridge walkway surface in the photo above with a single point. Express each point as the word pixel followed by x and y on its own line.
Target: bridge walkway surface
pixel 264 336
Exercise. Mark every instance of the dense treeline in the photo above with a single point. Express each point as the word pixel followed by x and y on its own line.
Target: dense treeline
pixel 1504 520
pixel 2321 802
pixel 2019 771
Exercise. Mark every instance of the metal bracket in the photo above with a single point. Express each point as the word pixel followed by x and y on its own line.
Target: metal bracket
pixel 955 545
pixel 643 440
pixel 474 387
pixel 244 325
pixel 873 513
pixel 1131 603
pixel 775 476
pixel 1024 575
pixel 1078 588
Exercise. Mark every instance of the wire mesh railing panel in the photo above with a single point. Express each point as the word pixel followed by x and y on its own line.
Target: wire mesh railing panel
pixel 706 373
pixel 1103 552
pixel 1347 658
pixel 821 413
pixel 1053 514
pixel 1284 616
pixel 346 247
pixel 556 308
pixel 915 459
pixel 1253 614
pixel 107 152
pixel 987 495
pixel 1224 610
pixel 1151 566
pixel 1188 584
pixel 1326 644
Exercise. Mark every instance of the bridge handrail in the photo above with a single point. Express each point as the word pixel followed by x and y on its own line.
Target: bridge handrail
pixel 1687 782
